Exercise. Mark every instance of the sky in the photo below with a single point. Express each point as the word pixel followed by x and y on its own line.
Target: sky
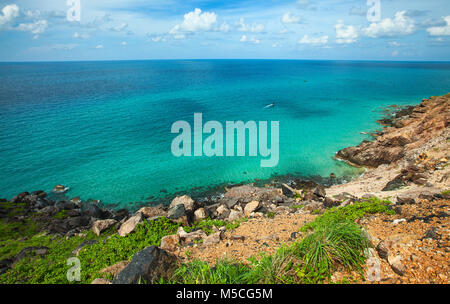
pixel 69 30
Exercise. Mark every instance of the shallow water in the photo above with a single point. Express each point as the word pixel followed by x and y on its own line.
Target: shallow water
pixel 103 128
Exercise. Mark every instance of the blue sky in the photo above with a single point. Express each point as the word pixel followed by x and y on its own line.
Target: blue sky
pixel 33 30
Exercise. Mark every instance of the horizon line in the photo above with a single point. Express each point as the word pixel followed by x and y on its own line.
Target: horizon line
pixel 224 59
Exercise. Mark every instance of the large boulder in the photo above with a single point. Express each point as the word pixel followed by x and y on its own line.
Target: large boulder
pixel 235 215
pixel 320 191
pixel 200 214
pixel 184 200
pixel 101 225
pixel 149 212
pixel 130 225
pixel 213 239
pixel 170 242
pixel 78 221
pixel 251 207
pixel 176 212
pixel 148 265
pixel 115 269
pixel 190 237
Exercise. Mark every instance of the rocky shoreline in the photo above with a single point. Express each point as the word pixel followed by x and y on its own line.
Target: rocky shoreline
pixel 406 163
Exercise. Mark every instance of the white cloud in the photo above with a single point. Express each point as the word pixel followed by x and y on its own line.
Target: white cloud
pixel 277 45
pixel 345 34
pixel 254 28
pixel 8 13
pixel 120 27
pixel 250 40
pixel 123 43
pixel 37 27
pixel 179 36
pixel 440 30
pixel 395 53
pixel 398 26
pixel 196 21
pixel 224 27
pixel 313 40
pixel 158 39
pixel 77 35
pixel 288 18
pixel 100 46
pixel 394 43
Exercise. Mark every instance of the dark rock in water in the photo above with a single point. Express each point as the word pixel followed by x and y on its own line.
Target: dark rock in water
pixel 30 199
pixel 37 250
pixel 18 198
pixel 92 210
pixel 176 212
pixel 41 203
pixel 39 194
pixel 65 205
pixel 60 189
pixel 150 265
pixel 375 153
pixel 121 214
pixel 320 191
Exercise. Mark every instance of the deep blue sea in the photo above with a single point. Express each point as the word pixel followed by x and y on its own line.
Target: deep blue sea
pixel 103 128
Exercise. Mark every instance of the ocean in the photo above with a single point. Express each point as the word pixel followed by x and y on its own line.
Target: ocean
pixel 104 128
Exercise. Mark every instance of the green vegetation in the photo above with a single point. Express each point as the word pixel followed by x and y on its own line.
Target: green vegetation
pixel 298 206
pixel 334 242
pixel 270 214
pixel 198 272
pixel 61 215
pixel 109 250
pixel 331 244
pixel 207 224
pixel 351 212
pixel 445 193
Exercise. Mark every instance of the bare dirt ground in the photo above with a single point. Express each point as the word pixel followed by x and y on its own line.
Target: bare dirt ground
pixel 261 235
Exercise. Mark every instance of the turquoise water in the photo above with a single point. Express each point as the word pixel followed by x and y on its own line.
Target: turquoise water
pixel 103 128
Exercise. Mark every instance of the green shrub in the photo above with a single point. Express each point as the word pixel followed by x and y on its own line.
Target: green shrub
pixel 331 244
pixel 273 269
pixel 350 212
pixel 207 224
pixel 198 272
pixel 109 250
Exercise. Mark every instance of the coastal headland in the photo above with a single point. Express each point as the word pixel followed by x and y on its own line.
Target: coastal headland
pixel 390 225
